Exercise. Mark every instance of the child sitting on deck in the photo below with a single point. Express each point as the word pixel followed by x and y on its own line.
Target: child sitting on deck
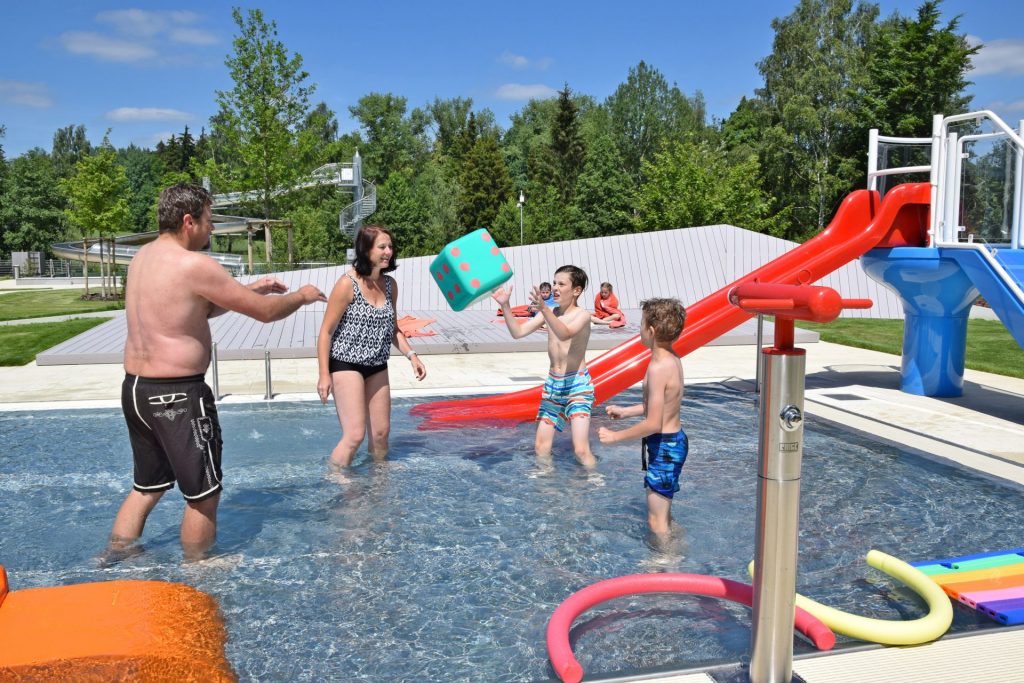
pixel 606 308
pixel 664 444
pixel 568 393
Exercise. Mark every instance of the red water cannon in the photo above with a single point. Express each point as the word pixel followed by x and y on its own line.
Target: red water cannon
pixel 792 302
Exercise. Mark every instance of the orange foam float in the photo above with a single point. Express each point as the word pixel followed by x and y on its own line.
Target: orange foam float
pixel 111 630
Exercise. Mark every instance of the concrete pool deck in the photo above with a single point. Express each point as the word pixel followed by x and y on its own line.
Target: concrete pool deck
pixel 983 430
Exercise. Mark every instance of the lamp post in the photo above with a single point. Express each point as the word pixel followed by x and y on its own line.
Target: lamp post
pixel 522 201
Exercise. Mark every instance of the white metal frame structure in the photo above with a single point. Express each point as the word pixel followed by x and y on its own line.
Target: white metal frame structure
pixel 945 174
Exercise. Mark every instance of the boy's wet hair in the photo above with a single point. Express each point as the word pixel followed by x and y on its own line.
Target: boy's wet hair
pixel 666 316
pixel 180 200
pixel 545 285
pixel 577 277
pixel 608 285
pixel 365 238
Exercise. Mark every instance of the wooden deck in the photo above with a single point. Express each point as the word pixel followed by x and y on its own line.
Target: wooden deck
pixel 241 338
pixel 689 264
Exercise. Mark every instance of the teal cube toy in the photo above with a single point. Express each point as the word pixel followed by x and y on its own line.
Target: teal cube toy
pixel 469 268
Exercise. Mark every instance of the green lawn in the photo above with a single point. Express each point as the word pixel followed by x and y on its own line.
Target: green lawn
pixel 19 344
pixel 38 303
pixel 990 347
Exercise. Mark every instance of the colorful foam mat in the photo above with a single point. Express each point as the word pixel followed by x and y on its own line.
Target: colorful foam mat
pixel 991 583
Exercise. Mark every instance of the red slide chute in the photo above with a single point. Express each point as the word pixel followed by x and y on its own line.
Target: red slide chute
pixel 860 224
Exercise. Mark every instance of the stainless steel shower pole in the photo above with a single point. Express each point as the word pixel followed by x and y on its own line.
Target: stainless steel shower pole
pixel 266 363
pixel 780 452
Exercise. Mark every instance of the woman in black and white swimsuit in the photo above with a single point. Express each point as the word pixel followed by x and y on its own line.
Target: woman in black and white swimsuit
pixel 354 344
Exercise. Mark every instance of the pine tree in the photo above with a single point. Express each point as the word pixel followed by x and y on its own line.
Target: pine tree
pixel 485 184
pixel 567 145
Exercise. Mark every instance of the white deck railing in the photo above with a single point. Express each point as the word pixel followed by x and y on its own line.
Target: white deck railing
pixel 946 174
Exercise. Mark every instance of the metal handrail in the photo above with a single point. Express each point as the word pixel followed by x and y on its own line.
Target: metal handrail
pixel 328 174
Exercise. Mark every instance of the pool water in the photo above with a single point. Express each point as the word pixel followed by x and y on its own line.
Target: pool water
pixel 445 562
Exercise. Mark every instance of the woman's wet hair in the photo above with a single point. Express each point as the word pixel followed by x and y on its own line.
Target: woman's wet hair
pixel 365 238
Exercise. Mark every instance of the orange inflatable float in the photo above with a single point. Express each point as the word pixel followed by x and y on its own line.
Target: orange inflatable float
pixel 112 630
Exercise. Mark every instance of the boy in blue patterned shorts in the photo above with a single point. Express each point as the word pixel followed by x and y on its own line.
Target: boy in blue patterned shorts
pixel 568 394
pixel 664 445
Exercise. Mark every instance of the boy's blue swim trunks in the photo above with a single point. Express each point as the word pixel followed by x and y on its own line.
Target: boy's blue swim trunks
pixel 565 397
pixel 663 457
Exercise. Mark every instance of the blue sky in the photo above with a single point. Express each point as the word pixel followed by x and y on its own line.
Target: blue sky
pixel 145 70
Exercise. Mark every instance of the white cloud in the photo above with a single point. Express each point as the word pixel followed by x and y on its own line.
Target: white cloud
pixel 134 114
pixel 1002 105
pixel 24 94
pixel 136 35
pixel 104 48
pixel 520 62
pixel 519 91
pixel 515 61
pixel 145 24
pixel 1004 56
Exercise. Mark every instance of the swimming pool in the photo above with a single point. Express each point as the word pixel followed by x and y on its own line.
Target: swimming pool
pixel 445 562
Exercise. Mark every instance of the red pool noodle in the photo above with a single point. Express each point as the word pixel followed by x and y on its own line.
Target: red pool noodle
pixel 560 652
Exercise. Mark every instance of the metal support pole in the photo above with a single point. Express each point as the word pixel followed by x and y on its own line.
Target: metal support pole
pixel 872 159
pixel 215 376
pixel 266 363
pixel 778 512
pixel 757 359
pixel 1017 223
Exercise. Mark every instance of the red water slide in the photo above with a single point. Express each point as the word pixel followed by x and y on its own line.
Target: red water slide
pixel 860 224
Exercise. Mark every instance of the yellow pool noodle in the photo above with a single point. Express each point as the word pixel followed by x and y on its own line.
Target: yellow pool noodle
pixel 886 632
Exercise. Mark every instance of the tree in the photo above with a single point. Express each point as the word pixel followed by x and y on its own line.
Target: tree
pixel 143 171
pixel 812 81
pixel 915 70
pixel 3 178
pixel 691 183
pixel 450 121
pixel 485 184
pixel 567 145
pixel 645 113
pixel 528 140
pixel 604 194
pixel 177 153
pixel 262 113
pixel 31 205
pixel 317 134
pixel 322 124
pixel 98 199
pixel 394 140
pixel 69 147
pixel 3 159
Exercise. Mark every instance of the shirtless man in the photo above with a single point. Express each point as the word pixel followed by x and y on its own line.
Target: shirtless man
pixel 568 393
pixel 172 291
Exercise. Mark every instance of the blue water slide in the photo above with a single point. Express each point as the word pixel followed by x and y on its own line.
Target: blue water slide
pixel 937 288
pixel 999 276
